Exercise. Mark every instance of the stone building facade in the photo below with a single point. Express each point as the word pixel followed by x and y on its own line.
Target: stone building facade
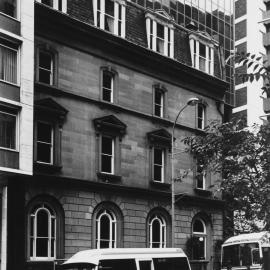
pixel 109 80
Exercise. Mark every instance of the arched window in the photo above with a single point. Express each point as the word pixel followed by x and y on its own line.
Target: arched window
pixel 157 230
pixel 42 233
pixel 106 229
pixel 199 239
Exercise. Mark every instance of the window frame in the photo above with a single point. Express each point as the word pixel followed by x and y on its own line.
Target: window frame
pixel 200 119
pixel 55 5
pixel 50 237
pixel 11 46
pixel 14 113
pixel 100 16
pixel 112 157
pixel 195 43
pixel 152 23
pixel 52 145
pixel 162 180
pixel 52 64
pixel 200 173
pixel 17 12
pixel 113 227
pixel 162 231
pixel 199 235
pixel 162 102
pixel 112 82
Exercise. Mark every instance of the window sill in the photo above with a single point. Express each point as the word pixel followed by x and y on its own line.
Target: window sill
pixel 160 184
pixel 203 192
pixel 111 178
pixel 49 168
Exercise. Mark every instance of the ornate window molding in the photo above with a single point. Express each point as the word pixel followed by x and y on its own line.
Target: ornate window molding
pixel 110 15
pixel 202 51
pixel 160 32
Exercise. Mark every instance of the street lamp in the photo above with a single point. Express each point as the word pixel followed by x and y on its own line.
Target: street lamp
pixel 191 102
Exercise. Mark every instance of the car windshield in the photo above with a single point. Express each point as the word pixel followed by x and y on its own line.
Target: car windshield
pixel 77 267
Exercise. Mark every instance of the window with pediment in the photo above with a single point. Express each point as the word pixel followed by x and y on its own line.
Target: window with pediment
pixel 49 119
pixel 159 141
pixel 160 32
pixel 202 52
pixel 109 131
pixel 110 15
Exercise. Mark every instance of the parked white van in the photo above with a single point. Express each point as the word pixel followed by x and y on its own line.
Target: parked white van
pixel 129 259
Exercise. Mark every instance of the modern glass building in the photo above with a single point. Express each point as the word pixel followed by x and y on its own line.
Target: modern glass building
pixel 214 17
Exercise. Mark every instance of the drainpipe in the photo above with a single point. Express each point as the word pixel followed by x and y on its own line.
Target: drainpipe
pixel 4 230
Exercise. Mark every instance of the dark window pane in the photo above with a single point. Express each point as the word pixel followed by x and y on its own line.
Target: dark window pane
pixel 42 224
pixel 8 7
pixel 47 2
pixel 157 173
pixel 45 60
pixel 156 231
pixel 106 165
pixel 109 7
pixel 198 226
pixel 107 80
pixel 160 30
pixel 118 264
pixel 202 50
pixel 157 110
pixel 170 264
pixel 44 76
pixel 106 95
pixel 106 145
pixel 158 156
pixel 42 247
pixel 105 228
pixel 145 265
pixel 7 130
pixel 52 247
pixel 44 153
pixel 44 132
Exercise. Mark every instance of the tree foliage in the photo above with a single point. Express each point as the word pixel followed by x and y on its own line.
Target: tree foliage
pixel 241 159
pixel 257 69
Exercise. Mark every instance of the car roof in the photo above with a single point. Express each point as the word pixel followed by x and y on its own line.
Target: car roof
pixel 92 256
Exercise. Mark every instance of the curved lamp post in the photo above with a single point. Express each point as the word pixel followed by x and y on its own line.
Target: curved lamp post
pixel 191 102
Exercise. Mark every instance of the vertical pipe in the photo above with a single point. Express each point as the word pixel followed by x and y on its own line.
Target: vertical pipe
pixel 4 230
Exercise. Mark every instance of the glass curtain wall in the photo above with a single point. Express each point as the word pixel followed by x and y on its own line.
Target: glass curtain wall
pixel 212 16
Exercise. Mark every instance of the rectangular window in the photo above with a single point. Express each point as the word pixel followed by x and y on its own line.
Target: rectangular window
pixel 160 38
pixel 8 121
pixel 158 165
pixel 107 86
pixel 159 103
pixel 44 143
pixel 200 177
pixel 202 56
pixel 9 7
pixel 45 67
pixel 200 116
pixel 107 155
pixel 60 5
pixel 8 63
pixel 110 16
